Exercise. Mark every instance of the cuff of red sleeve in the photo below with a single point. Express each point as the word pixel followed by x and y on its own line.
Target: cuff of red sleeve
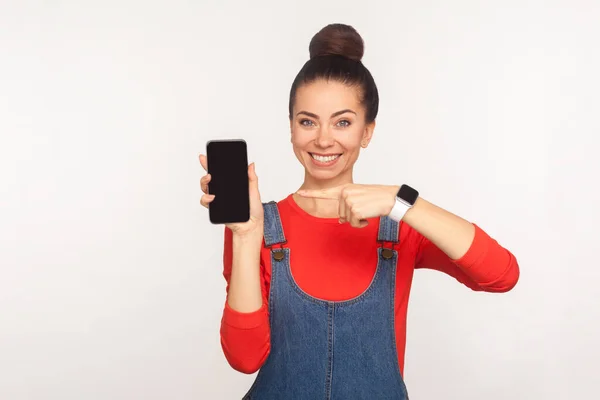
pixel 477 251
pixel 242 320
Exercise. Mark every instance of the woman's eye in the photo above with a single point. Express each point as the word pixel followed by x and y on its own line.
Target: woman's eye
pixel 344 123
pixel 306 122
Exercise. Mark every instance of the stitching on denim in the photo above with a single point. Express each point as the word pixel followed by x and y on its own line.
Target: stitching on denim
pixel 292 282
pixel 389 230
pixel 393 327
pixel 274 278
pixel 380 229
pixel 279 225
pixel 273 230
pixel 381 263
pixel 329 377
pixel 267 227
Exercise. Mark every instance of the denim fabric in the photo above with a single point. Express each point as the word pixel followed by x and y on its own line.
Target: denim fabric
pixel 334 350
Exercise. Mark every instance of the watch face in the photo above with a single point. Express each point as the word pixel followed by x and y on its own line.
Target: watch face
pixel 408 194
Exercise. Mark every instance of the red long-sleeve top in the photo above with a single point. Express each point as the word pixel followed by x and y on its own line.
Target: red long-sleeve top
pixel 346 262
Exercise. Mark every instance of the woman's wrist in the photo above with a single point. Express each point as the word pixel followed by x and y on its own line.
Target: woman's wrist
pixel 416 211
pixel 252 236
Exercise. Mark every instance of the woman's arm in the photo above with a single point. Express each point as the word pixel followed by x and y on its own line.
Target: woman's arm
pixel 461 249
pixel 245 330
pixel 471 255
pixel 450 233
pixel 244 293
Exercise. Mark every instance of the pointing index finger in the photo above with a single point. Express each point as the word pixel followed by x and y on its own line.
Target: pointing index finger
pixel 331 193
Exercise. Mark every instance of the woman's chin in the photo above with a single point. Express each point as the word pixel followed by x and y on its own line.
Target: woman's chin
pixel 323 175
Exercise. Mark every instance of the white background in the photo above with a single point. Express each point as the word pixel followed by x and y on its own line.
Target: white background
pixel 111 280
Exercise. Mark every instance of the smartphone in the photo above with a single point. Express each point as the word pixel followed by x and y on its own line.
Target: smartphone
pixel 227 164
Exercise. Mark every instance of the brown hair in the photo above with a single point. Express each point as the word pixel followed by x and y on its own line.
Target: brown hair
pixel 336 52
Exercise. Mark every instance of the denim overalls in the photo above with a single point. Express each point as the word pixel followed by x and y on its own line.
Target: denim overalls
pixel 334 350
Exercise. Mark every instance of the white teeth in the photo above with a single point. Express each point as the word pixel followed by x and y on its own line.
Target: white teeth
pixel 324 159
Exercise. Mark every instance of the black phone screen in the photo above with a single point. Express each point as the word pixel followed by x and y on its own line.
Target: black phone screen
pixel 227 162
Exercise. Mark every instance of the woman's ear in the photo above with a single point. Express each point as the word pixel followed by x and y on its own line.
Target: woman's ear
pixel 367 135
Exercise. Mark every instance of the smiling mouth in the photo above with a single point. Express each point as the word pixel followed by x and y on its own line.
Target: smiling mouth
pixel 324 158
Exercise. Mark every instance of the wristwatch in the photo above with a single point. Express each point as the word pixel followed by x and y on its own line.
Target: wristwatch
pixel 405 199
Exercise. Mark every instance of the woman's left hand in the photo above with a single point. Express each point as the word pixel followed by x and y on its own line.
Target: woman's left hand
pixel 358 202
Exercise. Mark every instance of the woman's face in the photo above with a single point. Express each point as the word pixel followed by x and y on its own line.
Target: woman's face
pixel 328 130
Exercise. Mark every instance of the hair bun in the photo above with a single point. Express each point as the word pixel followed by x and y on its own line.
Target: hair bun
pixel 337 39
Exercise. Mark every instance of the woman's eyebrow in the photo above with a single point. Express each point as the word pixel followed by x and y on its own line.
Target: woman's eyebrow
pixel 335 114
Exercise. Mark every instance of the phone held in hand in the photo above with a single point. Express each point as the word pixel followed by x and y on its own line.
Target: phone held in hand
pixel 227 164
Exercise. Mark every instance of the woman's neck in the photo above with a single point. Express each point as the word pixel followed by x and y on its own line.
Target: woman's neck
pixel 311 183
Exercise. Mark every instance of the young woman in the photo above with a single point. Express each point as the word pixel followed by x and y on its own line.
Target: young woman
pixel 318 283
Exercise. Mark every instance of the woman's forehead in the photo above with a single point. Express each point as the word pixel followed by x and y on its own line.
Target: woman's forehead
pixel 326 96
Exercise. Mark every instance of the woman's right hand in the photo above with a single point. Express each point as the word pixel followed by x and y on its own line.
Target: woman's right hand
pixel 256 222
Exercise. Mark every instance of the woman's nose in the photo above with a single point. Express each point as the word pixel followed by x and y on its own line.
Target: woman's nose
pixel 324 137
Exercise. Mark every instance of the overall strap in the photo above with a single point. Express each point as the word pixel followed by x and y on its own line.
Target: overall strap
pixel 388 230
pixel 273 229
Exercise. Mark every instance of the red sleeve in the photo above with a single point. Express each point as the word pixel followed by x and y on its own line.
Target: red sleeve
pixel 245 337
pixel 486 266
